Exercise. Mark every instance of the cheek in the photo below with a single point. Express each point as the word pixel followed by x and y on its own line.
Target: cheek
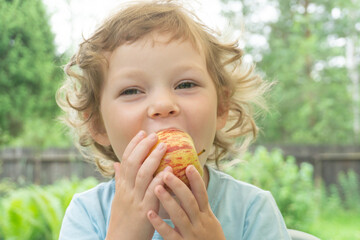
pixel 119 131
pixel 205 124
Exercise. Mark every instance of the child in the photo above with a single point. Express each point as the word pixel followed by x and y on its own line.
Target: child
pixel 149 67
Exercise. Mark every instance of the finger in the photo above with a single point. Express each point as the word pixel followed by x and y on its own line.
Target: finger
pixel 132 144
pixel 158 180
pixel 177 215
pixel 117 173
pixel 137 157
pixel 162 227
pixel 184 194
pixel 119 183
pixel 148 168
pixel 198 188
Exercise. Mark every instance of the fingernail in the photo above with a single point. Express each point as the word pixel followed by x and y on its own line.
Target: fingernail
pixel 141 133
pixel 167 177
pixel 151 214
pixel 161 189
pixel 161 146
pixel 191 168
pixel 168 169
pixel 152 136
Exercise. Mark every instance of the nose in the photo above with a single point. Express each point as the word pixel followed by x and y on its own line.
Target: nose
pixel 163 105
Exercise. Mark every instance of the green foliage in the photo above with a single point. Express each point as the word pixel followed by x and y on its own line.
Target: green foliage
pixel 331 212
pixel 40 132
pixel 36 212
pixel 344 196
pixel 40 208
pixel 350 190
pixel 330 200
pixel 6 186
pixel 339 217
pixel 291 186
pixel 339 225
pixel 29 75
pixel 312 102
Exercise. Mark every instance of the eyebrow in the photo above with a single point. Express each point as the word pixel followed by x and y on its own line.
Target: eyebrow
pixel 131 73
pixel 189 68
pixel 137 72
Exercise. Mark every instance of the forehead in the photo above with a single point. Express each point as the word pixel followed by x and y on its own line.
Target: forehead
pixel 156 56
pixel 156 38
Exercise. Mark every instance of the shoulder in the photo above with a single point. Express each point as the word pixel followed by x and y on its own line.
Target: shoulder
pixel 94 202
pixel 102 193
pixel 225 185
pixel 225 189
pixel 244 209
pixel 88 213
pixel 227 194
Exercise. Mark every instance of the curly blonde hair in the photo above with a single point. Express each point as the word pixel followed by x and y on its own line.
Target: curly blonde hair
pixel 238 87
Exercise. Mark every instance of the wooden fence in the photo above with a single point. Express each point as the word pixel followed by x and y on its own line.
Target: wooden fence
pixel 45 167
pixel 328 161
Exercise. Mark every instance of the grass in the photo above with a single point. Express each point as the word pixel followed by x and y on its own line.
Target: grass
pixel 338 225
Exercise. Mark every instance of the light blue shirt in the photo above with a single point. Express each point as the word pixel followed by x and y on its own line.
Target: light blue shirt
pixel 244 211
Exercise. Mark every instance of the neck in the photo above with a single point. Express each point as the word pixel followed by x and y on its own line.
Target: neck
pixel 162 212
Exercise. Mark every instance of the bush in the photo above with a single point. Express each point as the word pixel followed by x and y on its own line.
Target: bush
pixel 291 186
pixel 36 212
pixel 344 196
pixel 6 185
pixel 350 190
pixel 42 133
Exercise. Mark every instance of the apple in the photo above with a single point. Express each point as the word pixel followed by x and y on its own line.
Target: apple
pixel 180 153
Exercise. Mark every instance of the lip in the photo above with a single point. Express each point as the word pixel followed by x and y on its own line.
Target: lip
pixel 169 128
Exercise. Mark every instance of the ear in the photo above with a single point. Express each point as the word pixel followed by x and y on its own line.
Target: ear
pixel 222 118
pixel 100 138
pixel 97 130
pixel 223 109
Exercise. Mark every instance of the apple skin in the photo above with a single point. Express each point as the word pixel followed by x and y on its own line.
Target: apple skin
pixel 180 153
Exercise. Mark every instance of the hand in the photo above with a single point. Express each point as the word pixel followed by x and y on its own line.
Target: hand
pixel 134 189
pixel 193 217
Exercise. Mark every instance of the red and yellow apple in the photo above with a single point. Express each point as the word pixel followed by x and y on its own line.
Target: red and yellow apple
pixel 180 153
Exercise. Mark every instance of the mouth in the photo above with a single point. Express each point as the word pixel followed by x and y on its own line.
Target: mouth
pixel 169 129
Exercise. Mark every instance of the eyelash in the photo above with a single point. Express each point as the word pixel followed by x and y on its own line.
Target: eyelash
pixel 134 91
pixel 187 83
pixel 130 91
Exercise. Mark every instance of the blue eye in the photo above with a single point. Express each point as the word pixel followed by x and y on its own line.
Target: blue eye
pixel 130 91
pixel 184 85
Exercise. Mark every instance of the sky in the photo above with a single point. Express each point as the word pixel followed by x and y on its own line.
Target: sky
pixel 72 19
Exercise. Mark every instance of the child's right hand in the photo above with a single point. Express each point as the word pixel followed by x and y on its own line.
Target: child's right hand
pixel 134 189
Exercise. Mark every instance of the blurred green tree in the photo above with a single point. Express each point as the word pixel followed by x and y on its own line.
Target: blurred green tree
pixel 305 49
pixel 29 67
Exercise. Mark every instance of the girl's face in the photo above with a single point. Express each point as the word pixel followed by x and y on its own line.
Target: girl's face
pixel 153 84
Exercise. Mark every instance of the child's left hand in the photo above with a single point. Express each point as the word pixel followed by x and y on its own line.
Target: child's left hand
pixel 193 217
